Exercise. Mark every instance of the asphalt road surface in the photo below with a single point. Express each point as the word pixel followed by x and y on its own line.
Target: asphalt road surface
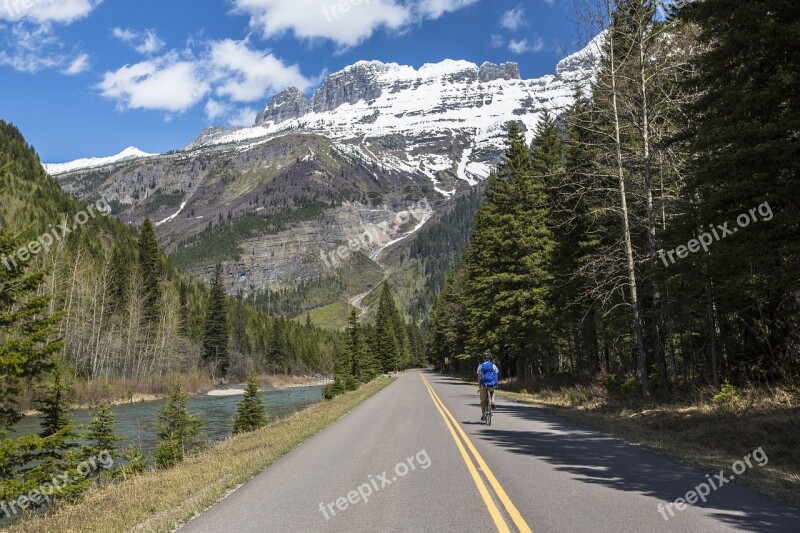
pixel 415 457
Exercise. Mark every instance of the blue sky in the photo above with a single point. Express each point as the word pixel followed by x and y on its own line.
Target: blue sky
pixel 85 78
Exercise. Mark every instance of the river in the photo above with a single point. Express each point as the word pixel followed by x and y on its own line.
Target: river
pixel 137 421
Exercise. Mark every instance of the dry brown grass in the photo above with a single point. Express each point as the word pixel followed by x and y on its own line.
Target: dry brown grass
pixel 161 500
pixel 695 431
pixel 89 394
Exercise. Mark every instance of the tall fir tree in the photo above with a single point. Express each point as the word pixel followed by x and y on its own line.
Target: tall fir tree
pixel 384 340
pixel 743 138
pixel 355 346
pixel 150 271
pixel 27 345
pixel 508 259
pixel 217 330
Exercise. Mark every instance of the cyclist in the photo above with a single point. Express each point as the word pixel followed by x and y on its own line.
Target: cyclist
pixel 488 374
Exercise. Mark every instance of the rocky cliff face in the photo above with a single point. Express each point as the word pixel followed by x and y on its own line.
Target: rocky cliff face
pixel 286 105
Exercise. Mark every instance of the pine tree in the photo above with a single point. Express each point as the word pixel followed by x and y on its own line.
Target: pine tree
pixel 384 345
pixel 448 333
pixel 100 433
pixel 355 346
pixel 401 333
pixel 56 415
pixel 217 330
pixel 178 430
pixel 743 140
pixel 150 270
pixel 277 353
pixel 183 309
pixel 416 346
pixel 59 451
pixel 119 283
pixel 27 345
pixel 251 413
pixel 508 260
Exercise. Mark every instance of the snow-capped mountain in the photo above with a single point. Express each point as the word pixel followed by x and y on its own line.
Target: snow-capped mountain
pixel 371 100
pixel 313 174
pixel 93 162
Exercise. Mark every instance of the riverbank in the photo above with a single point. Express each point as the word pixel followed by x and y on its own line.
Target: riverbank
pixel 161 500
pixel 695 431
pixel 120 391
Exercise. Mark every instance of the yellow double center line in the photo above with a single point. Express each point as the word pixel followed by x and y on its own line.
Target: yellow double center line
pixel 455 432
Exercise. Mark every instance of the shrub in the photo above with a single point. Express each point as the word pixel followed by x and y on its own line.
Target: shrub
pixel 612 383
pixel 576 399
pixel 726 398
pixel 334 389
pixel 630 386
pixel 351 383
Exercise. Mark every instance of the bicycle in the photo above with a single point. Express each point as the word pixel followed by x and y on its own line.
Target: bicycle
pixel 488 412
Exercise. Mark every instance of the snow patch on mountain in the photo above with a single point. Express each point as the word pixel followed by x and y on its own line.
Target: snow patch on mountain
pixel 127 154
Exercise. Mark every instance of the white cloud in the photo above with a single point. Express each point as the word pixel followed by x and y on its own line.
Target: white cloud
pixel 497 41
pixel 31 48
pixel 31 42
pixel 151 43
pixel 146 42
pixel 522 46
pixel 247 75
pixel 167 83
pixel 245 116
pixel 230 72
pixel 514 19
pixel 436 8
pixel 345 22
pixel 215 109
pixel 47 11
pixel 124 35
pixel 79 65
pixel 233 116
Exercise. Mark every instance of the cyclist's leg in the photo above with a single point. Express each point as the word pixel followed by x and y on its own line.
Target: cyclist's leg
pixel 484 396
pixel 491 397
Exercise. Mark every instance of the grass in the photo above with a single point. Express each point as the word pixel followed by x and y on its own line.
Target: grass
pixel 162 500
pixel 331 317
pixel 695 430
pixel 89 394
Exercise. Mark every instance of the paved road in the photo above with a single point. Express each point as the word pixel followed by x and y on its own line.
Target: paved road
pixel 423 462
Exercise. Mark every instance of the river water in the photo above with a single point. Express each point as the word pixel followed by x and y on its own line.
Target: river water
pixel 137 421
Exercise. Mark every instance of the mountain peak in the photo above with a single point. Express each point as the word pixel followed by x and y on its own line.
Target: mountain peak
pixel 127 154
pixel 288 104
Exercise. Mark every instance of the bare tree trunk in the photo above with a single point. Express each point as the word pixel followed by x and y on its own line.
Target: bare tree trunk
pixel 711 315
pixel 626 229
